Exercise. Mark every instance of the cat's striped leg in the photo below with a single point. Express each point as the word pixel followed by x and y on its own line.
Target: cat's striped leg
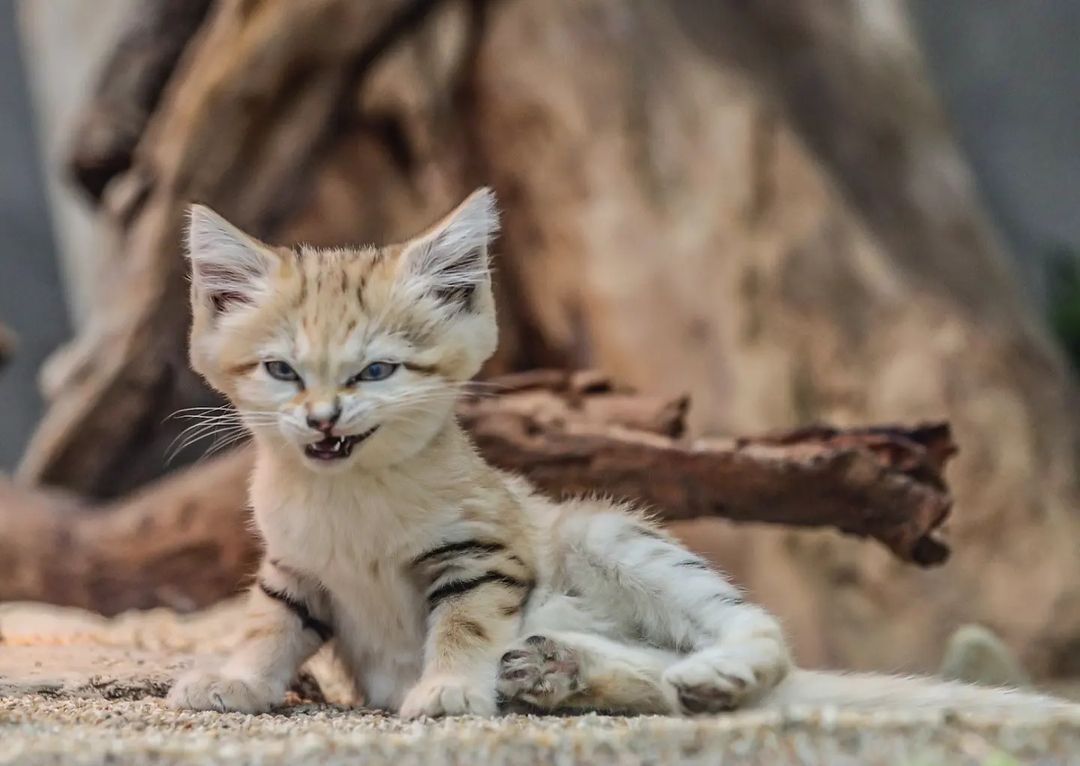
pixel 475 599
pixel 741 658
pixel 287 621
pixel 737 651
pixel 659 591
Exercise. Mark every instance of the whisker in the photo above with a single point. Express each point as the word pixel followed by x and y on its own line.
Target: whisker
pixel 192 432
pixel 225 441
pixel 190 413
pixel 204 433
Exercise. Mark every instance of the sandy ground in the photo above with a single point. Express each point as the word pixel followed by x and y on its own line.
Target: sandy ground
pixel 76 689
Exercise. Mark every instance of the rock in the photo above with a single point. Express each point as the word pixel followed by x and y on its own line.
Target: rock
pixel 977 655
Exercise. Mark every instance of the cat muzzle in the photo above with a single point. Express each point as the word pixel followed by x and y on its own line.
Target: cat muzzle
pixel 336 447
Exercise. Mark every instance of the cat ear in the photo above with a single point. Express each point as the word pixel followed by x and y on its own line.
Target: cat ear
pixel 451 259
pixel 228 268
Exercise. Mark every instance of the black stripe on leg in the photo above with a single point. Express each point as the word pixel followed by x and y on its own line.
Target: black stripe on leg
pixel 728 599
pixel 460 548
pixel 458 588
pixel 648 532
pixel 308 621
pixel 475 629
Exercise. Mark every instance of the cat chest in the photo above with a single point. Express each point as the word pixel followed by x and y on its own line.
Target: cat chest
pixel 377 604
pixel 376 599
pixel 379 620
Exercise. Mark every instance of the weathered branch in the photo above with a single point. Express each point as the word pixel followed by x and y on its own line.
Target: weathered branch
pixel 134 77
pixel 183 541
pixel 571 437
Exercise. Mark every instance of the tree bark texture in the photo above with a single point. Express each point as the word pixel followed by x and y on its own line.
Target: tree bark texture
pixel 756 204
pixel 112 122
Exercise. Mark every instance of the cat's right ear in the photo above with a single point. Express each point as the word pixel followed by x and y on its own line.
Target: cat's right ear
pixel 228 268
pixel 450 261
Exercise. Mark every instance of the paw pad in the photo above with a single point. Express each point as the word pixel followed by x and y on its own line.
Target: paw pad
pixel 702 698
pixel 540 672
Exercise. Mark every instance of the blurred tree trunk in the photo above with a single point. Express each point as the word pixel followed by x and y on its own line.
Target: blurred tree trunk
pixel 755 203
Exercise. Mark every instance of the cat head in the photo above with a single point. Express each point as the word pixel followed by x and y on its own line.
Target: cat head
pixel 343 357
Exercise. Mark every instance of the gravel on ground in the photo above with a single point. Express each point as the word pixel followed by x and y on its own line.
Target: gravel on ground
pixel 79 689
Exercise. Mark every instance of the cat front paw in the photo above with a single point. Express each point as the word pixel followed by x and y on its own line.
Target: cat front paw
pixel 209 691
pixel 445 695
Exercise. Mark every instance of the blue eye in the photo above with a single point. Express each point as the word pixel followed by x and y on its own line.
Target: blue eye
pixel 375 371
pixel 280 370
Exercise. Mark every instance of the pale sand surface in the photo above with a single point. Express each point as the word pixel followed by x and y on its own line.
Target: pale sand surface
pixel 76 689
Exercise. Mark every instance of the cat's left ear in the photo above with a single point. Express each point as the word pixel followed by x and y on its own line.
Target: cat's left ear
pixel 451 259
pixel 229 269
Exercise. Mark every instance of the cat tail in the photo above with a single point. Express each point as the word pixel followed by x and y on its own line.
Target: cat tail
pixel 867 691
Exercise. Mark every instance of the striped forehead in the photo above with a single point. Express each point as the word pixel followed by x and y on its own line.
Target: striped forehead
pixel 339 305
pixel 327 300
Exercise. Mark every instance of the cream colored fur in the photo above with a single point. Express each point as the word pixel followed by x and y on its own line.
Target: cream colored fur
pixel 445 585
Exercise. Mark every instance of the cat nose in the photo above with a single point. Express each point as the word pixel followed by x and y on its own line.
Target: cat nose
pixel 323 419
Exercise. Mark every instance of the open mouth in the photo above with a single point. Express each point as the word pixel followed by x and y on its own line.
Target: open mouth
pixel 336 447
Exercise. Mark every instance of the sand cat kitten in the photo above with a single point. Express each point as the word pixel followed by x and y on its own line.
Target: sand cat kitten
pixel 444 583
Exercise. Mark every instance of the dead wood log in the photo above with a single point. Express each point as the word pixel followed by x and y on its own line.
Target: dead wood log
pixel 183 541
pixel 129 88
pixel 885 483
pixel 671 204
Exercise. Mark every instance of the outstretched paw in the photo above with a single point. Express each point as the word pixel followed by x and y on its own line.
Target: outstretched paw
pixel 710 684
pixel 539 672
pixel 209 691
pixel 449 695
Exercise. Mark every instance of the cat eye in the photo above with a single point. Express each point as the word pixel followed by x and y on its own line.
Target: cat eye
pixel 280 370
pixel 375 371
